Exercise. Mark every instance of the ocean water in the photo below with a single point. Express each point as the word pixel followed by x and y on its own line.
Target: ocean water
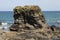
pixel 52 18
pixel 6 16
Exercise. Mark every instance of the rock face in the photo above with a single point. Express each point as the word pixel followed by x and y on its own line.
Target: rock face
pixel 29 17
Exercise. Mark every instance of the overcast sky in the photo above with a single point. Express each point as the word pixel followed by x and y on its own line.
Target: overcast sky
pixel 45 5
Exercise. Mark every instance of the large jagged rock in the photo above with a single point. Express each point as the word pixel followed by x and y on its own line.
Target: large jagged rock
pixel 29 17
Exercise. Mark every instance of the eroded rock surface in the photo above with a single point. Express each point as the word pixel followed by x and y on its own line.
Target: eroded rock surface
pixel 29 35
pixel 29 17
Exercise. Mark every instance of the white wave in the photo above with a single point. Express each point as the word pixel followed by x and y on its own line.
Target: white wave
pixel 4 23
pixel 58 21
pixel 5 27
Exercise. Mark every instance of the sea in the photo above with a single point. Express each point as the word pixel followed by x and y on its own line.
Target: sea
pixel 51 17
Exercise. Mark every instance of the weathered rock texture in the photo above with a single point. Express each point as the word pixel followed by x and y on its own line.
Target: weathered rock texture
pixel 28 17
pixel 30 35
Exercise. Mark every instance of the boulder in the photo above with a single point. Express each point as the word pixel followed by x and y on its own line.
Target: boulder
pixel 29 15
pixel 14 27
pixel 54 28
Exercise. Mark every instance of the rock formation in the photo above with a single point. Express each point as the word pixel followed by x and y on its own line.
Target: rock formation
pixel 28 17
pixel 30 24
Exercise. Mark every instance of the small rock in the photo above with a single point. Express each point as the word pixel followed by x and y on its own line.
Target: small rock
pixel 14 27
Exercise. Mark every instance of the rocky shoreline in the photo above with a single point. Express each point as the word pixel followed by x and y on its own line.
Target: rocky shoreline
pixel 30 24
pixel 30 35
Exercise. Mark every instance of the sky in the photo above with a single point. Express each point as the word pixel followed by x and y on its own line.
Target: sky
pixel 45 5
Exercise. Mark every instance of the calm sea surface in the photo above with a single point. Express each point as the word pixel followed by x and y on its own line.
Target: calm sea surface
pixel 52 17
